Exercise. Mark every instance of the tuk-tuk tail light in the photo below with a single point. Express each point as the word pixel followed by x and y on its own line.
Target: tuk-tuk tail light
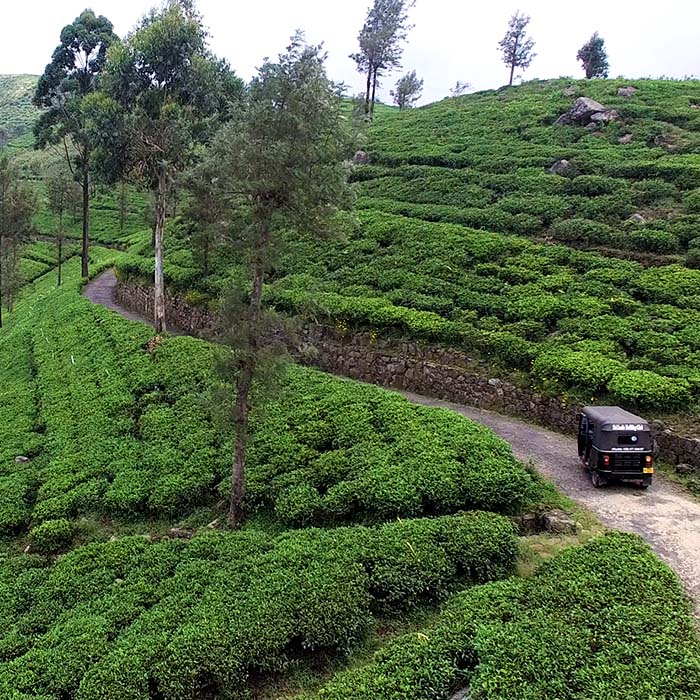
pixel 606 460
pixel 649 460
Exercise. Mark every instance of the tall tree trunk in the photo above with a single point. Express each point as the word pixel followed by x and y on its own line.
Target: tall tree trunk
pixel 369 88
pixel 236 514
pixel 514 58
pixel 86 224
pixel 374 93
pixel 122 205
pixel 60 258
pixel 159 296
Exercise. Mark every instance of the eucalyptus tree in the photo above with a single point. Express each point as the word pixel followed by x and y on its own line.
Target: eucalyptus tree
pixel 408 90
pixel 164 93
pixel 516 46
pixel 17 207
pixel 62 90
pixel 61 193
pixel 381 44
pixel 594 57
pixel 282 172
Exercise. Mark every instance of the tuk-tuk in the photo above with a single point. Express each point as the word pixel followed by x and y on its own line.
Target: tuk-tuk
pixel 615 444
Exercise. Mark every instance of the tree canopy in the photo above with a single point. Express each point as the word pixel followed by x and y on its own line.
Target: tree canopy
pixel 165 93
pixel 408 90
pixel 381 42
pixel 516 47
pixel 594 57
pixel 62 90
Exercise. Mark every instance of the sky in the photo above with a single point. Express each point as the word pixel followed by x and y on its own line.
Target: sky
pixel 451 39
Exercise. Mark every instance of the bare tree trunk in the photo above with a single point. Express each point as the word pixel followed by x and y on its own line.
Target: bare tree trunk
pixel 374 93
pixel 236 514
pixel 512 61
pixel 159 295
pixel 122 205
pixel 369 88
pixel 86 225
pixel 60 258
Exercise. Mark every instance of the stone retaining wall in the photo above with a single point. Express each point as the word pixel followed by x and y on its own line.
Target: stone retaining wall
pixel 428 370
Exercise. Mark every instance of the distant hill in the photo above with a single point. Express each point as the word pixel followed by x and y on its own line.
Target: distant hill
pixel 17 113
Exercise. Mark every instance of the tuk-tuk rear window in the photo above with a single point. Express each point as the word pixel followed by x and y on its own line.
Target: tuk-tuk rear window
pixel 627 439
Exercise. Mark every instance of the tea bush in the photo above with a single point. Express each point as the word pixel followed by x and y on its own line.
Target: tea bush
pixel 574 631
pixel 52 535
pixel 127 432
pixel 136 619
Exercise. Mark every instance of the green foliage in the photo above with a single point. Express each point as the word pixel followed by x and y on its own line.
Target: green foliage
pixel 573 632
pixel 649 390
pixel 131 619
pixel 52 535
pixel 587 370
pixel 334 451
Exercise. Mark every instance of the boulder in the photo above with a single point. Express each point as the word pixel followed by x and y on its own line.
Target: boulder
pixel 569 91
pixel 21 459
pixel 627 138
pixel 609 115
pixel 561 167
pixel 557 522
pixel 626 91
pixel 637 218
pixel 361 158
pixel 581 112
pixel 685 469
pixel 180 534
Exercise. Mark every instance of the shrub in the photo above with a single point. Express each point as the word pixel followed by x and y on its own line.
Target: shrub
pixel 132 619
pixel 588 370
pixel 692 201
pixel 649 390
pixel 52 535
pixel 573 618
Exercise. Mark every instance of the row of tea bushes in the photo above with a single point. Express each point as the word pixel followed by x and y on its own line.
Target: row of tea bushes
pixel 129 430
pixel 606 621
pixel 509 300
pixel 138 620
pixel 332 451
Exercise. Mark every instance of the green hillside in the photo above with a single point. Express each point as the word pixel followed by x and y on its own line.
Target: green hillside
pixel 466 239
pixel 17 113
pixel 359 526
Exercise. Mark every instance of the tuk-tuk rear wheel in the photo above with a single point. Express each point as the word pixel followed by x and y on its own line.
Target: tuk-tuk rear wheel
pixel 596 479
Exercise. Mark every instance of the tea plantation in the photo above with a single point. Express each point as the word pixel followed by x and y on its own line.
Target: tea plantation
pixel 366 514
pixel 466 239
pixel 363 509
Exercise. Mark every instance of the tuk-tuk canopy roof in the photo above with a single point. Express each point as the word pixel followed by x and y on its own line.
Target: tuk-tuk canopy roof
pixel 614 418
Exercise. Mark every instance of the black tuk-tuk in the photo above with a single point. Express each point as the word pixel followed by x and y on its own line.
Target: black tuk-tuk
pixel 615 444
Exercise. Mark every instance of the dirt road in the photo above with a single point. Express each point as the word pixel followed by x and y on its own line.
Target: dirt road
pixel 665 515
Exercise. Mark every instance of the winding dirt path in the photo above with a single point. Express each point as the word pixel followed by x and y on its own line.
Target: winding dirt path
pixel 665 515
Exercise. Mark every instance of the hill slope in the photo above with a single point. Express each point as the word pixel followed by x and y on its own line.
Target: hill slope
pixel 17 113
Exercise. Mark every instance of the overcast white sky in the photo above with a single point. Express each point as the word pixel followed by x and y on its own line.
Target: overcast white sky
pixel 452 39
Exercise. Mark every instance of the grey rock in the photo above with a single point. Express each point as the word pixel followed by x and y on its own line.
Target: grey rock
pixel 626 91
pixel 495 382
pixel 561 167
pixel 462 694
pixel 625 139
pixel 22 460
pixel 361 158
pixel 592 126
pixel 581 112
pixel 637 218
pixel 569 91
pixel 685 469
pixel 609 115
pixel 557 522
